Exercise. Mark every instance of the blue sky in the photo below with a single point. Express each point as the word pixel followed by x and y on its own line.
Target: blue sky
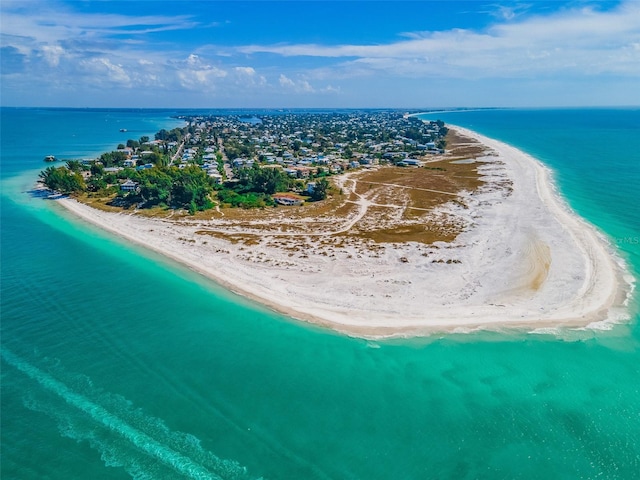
pixel 196 53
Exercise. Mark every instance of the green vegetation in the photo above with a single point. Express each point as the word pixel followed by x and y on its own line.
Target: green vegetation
pixel 221 159
pixel 63 180
pixel 232 198
pixel 320 190
pixel 263 180
pixel 188 188
pixel 174 135
pixel 113 159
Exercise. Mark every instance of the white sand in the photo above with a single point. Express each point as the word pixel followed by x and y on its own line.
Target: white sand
pixel 525 260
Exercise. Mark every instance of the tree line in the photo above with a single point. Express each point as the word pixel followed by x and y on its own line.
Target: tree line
pixel 188 188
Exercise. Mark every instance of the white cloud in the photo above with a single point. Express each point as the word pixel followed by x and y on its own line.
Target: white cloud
pixel 508 12
pixel 580 41
pixel 303 86
pixel 52 44
pixel 102 68
pixel 196 74
pixel 297 86
pixel 286 82
pixel 248 77
pixel 52 54
pixel 249 71
pixel 51 22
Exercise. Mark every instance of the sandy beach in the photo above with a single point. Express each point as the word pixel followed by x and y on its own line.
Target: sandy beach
pixel 523 260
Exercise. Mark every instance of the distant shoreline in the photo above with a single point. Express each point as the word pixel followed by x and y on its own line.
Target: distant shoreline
pixel 526 262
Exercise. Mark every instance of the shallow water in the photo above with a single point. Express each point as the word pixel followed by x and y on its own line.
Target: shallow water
pixel 119 364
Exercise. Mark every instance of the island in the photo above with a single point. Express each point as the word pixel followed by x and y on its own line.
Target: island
pixel 372 223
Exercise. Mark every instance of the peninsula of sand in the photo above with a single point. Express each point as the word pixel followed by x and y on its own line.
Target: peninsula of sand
pixel 509 252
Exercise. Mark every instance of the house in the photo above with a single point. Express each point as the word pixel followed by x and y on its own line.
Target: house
pixel 129 186
pixel 217 178
pixel 311 186
pixel 412 162
pixel 238 162
pixel 303 172
pixel 287 199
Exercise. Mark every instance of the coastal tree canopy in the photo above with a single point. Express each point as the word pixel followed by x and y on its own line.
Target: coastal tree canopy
pixel 173 135
pixel 63 180
pixel 191 188
pixel 265 180
pixel 113 159
pixel 187 188
pixel 320 189
pixel 155 186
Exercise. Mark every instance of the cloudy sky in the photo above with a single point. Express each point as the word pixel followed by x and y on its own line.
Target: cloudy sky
pixel 197 53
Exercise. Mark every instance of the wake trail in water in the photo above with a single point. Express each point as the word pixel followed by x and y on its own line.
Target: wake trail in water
pixel 180 452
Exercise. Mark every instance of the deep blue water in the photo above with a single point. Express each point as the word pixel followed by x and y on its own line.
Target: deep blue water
pixel 119 364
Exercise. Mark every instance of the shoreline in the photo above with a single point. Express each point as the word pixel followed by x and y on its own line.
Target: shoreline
pixel 527 262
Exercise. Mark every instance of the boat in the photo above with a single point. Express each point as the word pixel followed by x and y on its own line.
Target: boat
pixel 50 158
pixel 123 129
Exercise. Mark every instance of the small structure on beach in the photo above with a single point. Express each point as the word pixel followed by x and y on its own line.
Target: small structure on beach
pixel 287 199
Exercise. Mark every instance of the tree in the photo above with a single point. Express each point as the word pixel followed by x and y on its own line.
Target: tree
pixel 113 159
pixel 266 180
pixel 62 180
pixel 319 192
pixel 96 183
pixel 191 184
pixel 97 169
pixel 74 165
pixel 157 159
pixel 174 135
pixel 155 186
pixel 162 135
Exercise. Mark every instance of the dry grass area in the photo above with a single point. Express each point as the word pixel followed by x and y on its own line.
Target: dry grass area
pixel 366 209
pixel 100 203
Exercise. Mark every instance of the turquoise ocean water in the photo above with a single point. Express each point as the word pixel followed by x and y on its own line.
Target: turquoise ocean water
pixel 119 364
